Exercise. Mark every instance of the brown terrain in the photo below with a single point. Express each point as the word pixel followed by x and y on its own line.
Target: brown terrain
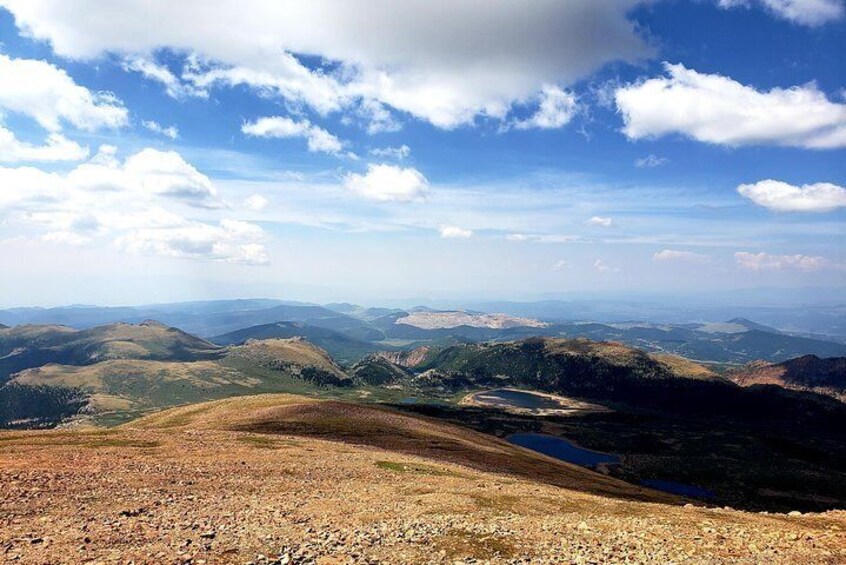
pixel 407 358
pixel 453 319
pixel 808 373
pixel 287 479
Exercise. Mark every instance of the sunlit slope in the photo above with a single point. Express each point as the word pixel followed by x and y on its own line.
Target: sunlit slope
pixel 380 427
pixel 114 372
pixel 280 477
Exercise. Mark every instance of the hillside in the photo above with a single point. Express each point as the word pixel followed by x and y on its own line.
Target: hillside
pixel 294 356
pixel 377 370
pixel 109 373
pixel 614 373
pixel 24 347
pixel 809 373
pixel 343 349
pixel 236 480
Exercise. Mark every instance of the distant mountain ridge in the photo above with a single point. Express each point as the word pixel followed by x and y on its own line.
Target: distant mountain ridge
pixel 53 373
pixel 809 372
pixel 342 348
pixel 351 332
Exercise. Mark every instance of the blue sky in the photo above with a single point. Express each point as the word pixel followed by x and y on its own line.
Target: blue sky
pixel 443 150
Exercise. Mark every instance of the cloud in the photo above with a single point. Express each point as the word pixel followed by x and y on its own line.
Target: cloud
pixel 716 109
pixel 231 241
pixel 166 173
pixel 545 238
pixel 134 204
pixel 389 183
pixel 56 148
pixel 398 153
pixel 50 96
pixel 805 12
pixel 256 202
pixel 556 108
pixel 599 221
pixel 454 232
pixel 602 267
pixel 151 70
pixel 783 197
pixel 379 118
pixel 148 174
pixel 671 255
pixel 155 127
pixel 765 262
pixel 319 140
pixel 399 55
pixel 650 161
pixel 560 265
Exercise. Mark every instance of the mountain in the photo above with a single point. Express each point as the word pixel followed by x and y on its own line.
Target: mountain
pixel 206 318
pixel 377 370
pixel 53 373
pixel 809 372
pixel 23 347
pixel 342 348
pixel 613 373
pixel 361 312
pixel 296 357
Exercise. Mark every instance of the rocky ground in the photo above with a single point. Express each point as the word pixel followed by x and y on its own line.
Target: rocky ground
pixel 178 493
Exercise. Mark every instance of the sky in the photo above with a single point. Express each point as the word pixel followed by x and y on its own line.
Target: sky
pixel 463 149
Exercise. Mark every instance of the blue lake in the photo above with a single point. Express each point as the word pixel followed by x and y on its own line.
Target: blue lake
pixel 678 488
pixel 562 449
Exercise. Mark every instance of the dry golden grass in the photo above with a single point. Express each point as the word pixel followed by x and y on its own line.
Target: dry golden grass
pixel 182 485
pixel 684 367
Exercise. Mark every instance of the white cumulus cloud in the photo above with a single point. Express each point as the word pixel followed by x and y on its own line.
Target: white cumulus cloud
pixel 389 183
pixel 600 221
pixel 400 56
pixel 50 96
pixel 319 140
pixel 603 267
pixel 56 148
pixel 256 202
pixel 454 232
pixel 230 241
pixel 716 109
pixel 784 197
pixel 136 205
pixel 556 107
pixel 174 87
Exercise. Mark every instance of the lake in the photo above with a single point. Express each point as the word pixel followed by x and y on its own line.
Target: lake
pixel 562 449
pixel 682 489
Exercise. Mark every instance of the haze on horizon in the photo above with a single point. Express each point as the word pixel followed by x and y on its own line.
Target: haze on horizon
pixel 448 150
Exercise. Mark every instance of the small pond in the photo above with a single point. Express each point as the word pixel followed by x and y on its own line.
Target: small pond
pixel 562 449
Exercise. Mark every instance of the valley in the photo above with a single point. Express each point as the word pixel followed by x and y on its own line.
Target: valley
pixel 663 417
